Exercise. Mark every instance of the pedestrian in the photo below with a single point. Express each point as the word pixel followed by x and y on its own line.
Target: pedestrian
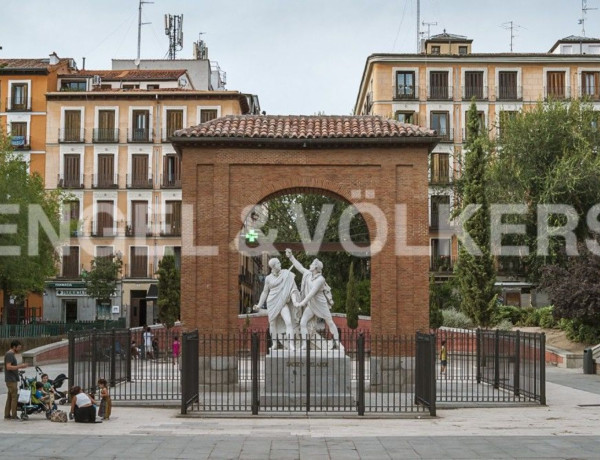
pixel 176 348
pixel 83 407
pixel 443 358
pixel 155 347
pixel 135 351
pixel 11 377
pixel 105 401
pixel 147 336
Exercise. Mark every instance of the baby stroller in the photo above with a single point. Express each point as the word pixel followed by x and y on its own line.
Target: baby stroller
pixel 28 403
pixel 59 396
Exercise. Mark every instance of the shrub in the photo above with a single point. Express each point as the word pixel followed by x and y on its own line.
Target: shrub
pixel 508 312
pixel 577 331
pixel 546 317
pixel 530 317
pixel 453 318
pixel 504 325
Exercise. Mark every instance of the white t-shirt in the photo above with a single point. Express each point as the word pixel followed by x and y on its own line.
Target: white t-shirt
pixel 147 339
pixel 82 399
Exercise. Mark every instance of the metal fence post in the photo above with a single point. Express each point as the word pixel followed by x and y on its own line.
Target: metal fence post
pixel 478 351
pixel 517 370
pixel 113 357
pixel 307 374
pixel 94 369
pixel 254 354
pixel 497 359
pixel 128 354
pixel 543 369
pixel 432 380
pixel 71 368
pixel 360 353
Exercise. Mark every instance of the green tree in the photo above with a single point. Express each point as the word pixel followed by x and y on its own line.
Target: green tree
pixel 102 280
pixel 547 155
pixel 30 206
pixel 351 300
pixel 169 291
pixel 475 273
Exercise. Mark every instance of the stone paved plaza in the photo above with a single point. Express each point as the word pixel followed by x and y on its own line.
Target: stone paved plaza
pixel 568 428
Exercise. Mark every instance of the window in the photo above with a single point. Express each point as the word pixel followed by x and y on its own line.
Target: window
pixel 106 177
pixel 176 252
pixel 207 115
pixel 104 251
pixel 556 85
pixel 440 168
pixel 439 122
pixel 19 97
pixel 104 218
pixel 72 177
pixel 139 172
pixel 173 218
pixel 462 50
pixel 18 135
pixel 481 123
pixel 405 85
pixel 440 254
pixel 73 85
pixel 473 85
pixel 140 125
pixel 407 117
pixel 70 213
pixel 438 85
pixel 435 49
pixel 151 87
pixel 128 86
pixel 174 122
pixel 139 262
pixel 440 211
pixel 72 127
pixel 507 85
pixel 106 131
pixel 504 119
pixel 171 171
pixel 590 84
pixel 70 262
pixel 139 223
pixel 103 310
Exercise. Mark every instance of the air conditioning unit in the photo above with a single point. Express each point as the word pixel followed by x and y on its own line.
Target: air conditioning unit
pixel 96 80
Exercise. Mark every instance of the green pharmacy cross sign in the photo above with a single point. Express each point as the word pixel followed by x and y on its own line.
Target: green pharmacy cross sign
pixel 252 236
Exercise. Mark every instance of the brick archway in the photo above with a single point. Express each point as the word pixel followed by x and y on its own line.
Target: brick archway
pixel 235 162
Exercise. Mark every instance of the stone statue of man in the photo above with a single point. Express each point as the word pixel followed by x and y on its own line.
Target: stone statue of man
pixel 280 292
pixel 313 295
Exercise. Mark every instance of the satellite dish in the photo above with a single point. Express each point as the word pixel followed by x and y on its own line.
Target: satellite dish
pixel 183 82
pixel 137 62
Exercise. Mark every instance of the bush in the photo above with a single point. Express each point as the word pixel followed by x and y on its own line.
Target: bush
pixel 577 331
pixel 508 312
pixel 546 316
pixel 504 325
pixel 530 317
pixel 453 318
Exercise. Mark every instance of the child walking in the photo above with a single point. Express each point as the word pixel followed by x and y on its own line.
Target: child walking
pixel 105 402
pixel 176 347
pixel 443 358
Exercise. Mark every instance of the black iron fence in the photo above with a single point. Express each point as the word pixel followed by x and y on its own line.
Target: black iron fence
pixel 42 329
pixel 190 380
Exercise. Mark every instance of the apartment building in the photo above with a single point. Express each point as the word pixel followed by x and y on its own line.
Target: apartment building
pixel 434 89
pixel 108 149
pixel 23 87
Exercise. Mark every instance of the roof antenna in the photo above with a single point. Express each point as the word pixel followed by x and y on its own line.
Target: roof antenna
pixel 140 24
pixel 584 10
pixel 510 25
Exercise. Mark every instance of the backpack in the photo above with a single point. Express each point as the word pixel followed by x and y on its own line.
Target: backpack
pixel 58 416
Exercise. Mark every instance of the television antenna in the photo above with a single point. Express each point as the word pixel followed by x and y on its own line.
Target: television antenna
pixel 510 25
pixel 140 24
pixel 174 29
pixel 584 10
pixel 428 24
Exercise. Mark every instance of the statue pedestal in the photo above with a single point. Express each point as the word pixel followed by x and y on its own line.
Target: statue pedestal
pixel 391 374
pixel 286 375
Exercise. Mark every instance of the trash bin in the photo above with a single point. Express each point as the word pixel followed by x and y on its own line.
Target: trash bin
pixel 588 362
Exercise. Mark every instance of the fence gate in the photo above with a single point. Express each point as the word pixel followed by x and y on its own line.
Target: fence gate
pixel 190 371
pixel 425 385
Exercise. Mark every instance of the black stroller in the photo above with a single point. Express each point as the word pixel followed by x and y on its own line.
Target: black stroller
pixel 60 397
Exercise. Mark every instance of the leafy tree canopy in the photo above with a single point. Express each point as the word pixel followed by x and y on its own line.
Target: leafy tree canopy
pixel 169 291
pixel 101 280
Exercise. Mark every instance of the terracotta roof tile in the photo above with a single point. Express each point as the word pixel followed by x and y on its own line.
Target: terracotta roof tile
pixel 133 74
pixel 24 63
pixel 304 127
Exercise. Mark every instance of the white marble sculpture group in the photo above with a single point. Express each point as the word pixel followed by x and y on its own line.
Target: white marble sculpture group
pixel 286 305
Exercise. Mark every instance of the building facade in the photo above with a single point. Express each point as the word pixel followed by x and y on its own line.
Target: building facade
pixel 108 149
pixel 435 88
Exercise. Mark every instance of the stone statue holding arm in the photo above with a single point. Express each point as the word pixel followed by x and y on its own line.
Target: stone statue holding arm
pixel 281 294
pixel 313 295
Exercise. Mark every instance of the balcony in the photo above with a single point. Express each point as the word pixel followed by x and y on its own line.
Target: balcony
pixel 590 93
pixel 172 230
pixel 139 182
pixel 441 179
pixel 439 93
pixel 480 93
pixel 403 93
pixel 139 135
pixel 440 264
pixel 138 230
pixel 509 93
pixel 139 270
pixel 105 136
pixel 169 181
pixel 166 133
pixel 103 232
pixel 20 142
pixel 446 135
pixel 557 93
pixel 105 181
pixel 70 180
pixel 18 104
pixel 71 135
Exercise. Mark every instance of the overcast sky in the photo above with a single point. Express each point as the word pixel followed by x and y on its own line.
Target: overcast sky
pixel 298 56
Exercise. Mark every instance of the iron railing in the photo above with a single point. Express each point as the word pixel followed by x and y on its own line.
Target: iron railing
pixel 71 135
pixel 190 382
pixel 20 142
pixel 105 135
pixel 557 92
pixel 477 92
pixel 18 104
pixel 70 180
pixel 170 181
pixel 139 135
pixel 139 181
pixel 509 93
pixel 406 92
pixel 439 93
pixel 105 181
pixel 55 328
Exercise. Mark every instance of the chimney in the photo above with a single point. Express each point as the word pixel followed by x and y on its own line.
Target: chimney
pixel 83 60
pixel 54 58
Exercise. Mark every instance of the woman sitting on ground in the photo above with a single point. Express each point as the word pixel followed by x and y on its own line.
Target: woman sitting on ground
pixel 82 406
